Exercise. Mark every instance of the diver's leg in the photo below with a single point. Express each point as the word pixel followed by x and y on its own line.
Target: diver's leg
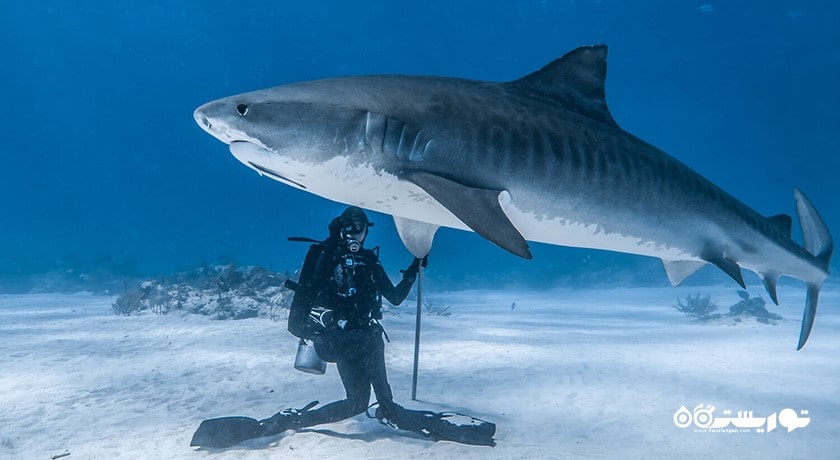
pixel 354 377
pixel 357 388
pixel 377 372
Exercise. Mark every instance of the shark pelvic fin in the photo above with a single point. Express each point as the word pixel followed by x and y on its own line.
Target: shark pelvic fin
pixel 479 209
pixel 679 270
pixel 416 236
pixel 577 79
pixel 728 266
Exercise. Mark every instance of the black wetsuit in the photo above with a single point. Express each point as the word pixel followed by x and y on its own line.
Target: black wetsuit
pixel 352 284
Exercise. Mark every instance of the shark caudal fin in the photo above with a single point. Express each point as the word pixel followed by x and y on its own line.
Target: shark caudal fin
pixel 816 240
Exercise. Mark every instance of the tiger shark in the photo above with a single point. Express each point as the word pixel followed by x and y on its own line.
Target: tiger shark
pixel 539 159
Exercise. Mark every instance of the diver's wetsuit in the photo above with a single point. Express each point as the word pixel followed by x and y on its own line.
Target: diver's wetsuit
pixel 351 284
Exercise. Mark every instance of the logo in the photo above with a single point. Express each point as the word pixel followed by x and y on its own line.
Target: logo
pixel 705 421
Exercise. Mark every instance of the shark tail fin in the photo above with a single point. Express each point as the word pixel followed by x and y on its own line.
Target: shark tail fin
pixel 809 314
pixel 817 240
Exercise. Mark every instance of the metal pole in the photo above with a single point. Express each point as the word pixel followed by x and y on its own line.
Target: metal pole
pixel 417 332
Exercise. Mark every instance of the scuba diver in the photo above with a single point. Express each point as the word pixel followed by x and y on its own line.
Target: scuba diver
pixel 337 306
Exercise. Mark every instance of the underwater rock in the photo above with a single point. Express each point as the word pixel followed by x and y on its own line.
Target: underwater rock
pixel 753 307
pixel 218 292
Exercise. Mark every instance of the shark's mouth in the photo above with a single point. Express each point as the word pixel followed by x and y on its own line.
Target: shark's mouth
pixel 248 152
pixel 276 175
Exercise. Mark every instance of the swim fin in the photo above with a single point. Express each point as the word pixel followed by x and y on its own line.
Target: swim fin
pixel 228 431
pixel 439 426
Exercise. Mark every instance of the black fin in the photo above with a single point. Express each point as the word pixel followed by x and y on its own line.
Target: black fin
pixel 728 266
pixel 577 80
pixel 478 208
pixel 226 431
pixel 229 431
pixel 444 426
pixel 452 426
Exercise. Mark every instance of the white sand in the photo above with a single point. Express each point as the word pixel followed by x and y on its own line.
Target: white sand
pixel 568 373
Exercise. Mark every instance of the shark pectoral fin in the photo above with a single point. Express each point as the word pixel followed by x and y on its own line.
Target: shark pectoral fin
pixel 479 209
pixel 810 313
pixel 679 270
pixel 416 236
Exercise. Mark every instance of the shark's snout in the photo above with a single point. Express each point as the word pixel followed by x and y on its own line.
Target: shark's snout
pixel 202 119
pixel 211 118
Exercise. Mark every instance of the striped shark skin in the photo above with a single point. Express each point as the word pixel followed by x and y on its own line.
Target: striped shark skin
pixel 539 159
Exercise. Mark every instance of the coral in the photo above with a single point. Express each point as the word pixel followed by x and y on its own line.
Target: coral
pixel 701 307
pixel 222 292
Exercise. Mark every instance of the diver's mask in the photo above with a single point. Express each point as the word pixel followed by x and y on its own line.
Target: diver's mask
pixel 353 233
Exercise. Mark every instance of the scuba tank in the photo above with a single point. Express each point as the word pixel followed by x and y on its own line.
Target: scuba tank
pixel 307 360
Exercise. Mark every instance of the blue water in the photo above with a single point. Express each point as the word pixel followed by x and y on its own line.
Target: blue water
pixel 103 165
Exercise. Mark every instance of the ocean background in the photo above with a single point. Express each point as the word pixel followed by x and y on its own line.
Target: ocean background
pixel 107 181
pixel 105 172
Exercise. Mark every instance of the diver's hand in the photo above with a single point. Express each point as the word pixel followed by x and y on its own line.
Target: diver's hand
pixel 335 229
pixel 410 273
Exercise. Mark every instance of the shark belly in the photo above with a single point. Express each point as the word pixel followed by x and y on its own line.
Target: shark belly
pixel 566 232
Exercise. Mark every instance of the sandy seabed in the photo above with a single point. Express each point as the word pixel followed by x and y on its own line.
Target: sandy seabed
pixel 564 373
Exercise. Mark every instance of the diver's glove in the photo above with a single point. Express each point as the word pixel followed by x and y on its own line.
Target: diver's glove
pixel 410 273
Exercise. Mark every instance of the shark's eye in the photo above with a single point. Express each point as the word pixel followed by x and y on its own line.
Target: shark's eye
pixel 242 109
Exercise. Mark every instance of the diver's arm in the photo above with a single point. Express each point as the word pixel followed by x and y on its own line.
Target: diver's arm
pixel 396 294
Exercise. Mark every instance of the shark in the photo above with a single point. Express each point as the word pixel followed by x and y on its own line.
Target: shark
pixel 539 159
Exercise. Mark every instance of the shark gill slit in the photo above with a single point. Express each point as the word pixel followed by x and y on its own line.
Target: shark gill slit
pixel 385 135
pixel 368 128
pixel 426 153
pixel 390 142
pixel 402 142
pixel 374 130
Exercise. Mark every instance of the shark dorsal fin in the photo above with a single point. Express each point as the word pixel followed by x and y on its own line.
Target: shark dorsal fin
pixel 577 80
